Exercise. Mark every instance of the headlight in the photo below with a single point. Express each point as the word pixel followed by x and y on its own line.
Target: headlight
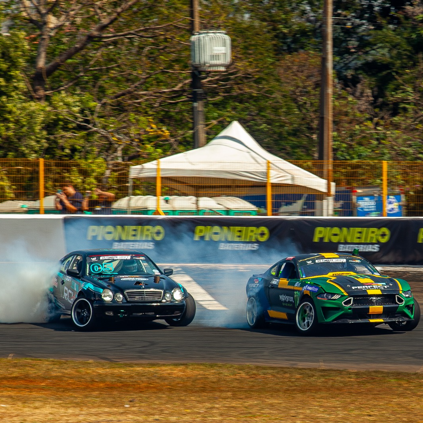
pixel 107 295
pixel 118 297
pixel 327 296
pixel 407 294
pixel 177 294
pixel 168 296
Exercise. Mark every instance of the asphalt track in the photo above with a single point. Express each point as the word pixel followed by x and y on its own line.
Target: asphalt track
pixel 219 334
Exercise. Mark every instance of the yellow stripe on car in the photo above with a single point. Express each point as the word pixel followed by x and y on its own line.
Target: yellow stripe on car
pixel 374 292
pixel 329 255
pixel 277 314
pixel 338 286
pixel 375 309
pixel 399 286
pixel 283 283
pixel 376 320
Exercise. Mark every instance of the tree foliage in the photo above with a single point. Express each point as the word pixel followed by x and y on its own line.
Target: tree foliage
pixel 112 79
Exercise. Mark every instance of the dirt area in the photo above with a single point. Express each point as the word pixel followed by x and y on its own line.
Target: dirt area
pixel 35 391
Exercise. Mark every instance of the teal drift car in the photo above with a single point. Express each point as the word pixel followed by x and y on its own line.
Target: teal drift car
pixel 312 290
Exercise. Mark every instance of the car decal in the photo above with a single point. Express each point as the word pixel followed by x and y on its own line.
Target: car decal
pixel 399 286
pixel 277 314
pixel 283 283
pixel 329 255
pixel 374 292
pixel 376 310
pixel 338 286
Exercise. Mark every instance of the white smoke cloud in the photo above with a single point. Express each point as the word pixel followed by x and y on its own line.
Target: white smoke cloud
pixel 24 282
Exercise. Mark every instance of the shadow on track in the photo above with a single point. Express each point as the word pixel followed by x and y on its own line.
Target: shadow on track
pixel 65 325
pixel 325 332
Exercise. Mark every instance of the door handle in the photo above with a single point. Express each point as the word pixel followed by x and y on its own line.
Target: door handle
pixel 62 282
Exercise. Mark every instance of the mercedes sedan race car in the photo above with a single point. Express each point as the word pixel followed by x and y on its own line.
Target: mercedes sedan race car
pixel 94 285
pixel 310 290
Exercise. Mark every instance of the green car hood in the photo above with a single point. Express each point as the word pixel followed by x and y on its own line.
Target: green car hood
pixel 359 284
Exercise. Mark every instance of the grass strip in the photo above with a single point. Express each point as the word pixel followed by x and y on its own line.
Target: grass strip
pixel 42 391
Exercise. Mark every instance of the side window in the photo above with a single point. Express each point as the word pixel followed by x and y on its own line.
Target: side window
pixel 275 269
pixel 289 271
pixel 65 264
pixel 76 263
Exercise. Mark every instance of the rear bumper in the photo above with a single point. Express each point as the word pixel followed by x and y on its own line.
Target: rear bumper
pixel 139 310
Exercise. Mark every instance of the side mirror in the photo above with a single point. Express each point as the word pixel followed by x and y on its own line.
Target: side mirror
pixel 168 272
pixel 71 272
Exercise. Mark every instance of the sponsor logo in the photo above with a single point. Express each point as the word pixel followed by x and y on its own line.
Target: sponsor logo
pixel 231 233
pixel 134 245
pixel 375 286
pixel 125 233
pixel 286 299
pixel 311 288
pixel 68 295
pixel 274 281
pixel 331 261
pixel 115 258
pixel 420 236
pixel 249 247
pixel 347 248
pixel 351 235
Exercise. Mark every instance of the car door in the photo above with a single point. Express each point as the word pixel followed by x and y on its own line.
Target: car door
pixel 72 284
pixel 59 283
pixel 284 296
pixel 273 283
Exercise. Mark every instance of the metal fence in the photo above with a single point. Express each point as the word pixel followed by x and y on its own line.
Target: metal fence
pixel 362 188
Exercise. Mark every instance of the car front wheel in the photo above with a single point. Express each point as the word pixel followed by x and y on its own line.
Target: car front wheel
pixel 83 314
pixel 306 317
pixel 187 316
pixel 411 324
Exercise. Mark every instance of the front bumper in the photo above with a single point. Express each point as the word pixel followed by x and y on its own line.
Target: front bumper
pixel 139 310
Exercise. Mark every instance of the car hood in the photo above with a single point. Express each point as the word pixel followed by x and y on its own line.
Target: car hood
pixel 358 284
pixel 141 282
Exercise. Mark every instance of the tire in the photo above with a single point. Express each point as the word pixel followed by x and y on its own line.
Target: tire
pixel 254 314
pixel 411 324
pixel 187 316
pixel 306 317
pixel 82 314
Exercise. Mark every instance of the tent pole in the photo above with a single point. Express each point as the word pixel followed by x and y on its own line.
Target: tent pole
pixel 268 191
pixel 158 190
pixel 129 196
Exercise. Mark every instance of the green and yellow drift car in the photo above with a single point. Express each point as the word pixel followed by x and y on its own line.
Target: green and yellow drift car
pixel 311 290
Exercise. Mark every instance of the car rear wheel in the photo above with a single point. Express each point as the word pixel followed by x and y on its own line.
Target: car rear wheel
pixel 187 316
pixel 83 314
pixel 306 317
pixel 255 318
pixel 411 324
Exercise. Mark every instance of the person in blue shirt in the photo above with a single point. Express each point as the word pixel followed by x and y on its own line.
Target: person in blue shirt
pixel 69 200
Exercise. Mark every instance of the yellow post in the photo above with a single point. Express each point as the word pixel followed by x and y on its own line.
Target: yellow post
pixel 384 186
pixel 158 190
pixel 41 185
pixel 268 191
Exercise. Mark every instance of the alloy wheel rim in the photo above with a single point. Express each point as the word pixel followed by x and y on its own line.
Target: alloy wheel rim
pixel 305 316
pixel 82 313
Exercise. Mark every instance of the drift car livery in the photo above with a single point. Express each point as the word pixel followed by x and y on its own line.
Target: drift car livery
pixel 313 289
pixel 93 285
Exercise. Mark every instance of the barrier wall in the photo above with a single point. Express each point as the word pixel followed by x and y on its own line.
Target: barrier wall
pixel 212 239
pixel 249 239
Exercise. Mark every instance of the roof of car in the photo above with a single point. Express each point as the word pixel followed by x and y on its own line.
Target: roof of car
pixel 106 251
pixel 323 255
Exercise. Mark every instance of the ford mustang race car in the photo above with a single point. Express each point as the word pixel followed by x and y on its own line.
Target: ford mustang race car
pixel 311 290
pixel 94 285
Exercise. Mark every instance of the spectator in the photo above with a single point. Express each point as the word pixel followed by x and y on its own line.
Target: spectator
pixel 69 200
pixel 103 204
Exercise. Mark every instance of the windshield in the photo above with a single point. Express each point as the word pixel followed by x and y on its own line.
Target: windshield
pixel 322 266
pixel 120 264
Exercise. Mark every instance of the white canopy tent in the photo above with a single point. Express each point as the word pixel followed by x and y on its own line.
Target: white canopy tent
pixel 233 163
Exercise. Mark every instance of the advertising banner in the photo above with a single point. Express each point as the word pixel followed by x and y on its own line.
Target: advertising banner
pixel 372 205
pixel 256 240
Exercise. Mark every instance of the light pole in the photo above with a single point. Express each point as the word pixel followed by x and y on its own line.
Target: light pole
pixel 197 89
pixel 326 92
